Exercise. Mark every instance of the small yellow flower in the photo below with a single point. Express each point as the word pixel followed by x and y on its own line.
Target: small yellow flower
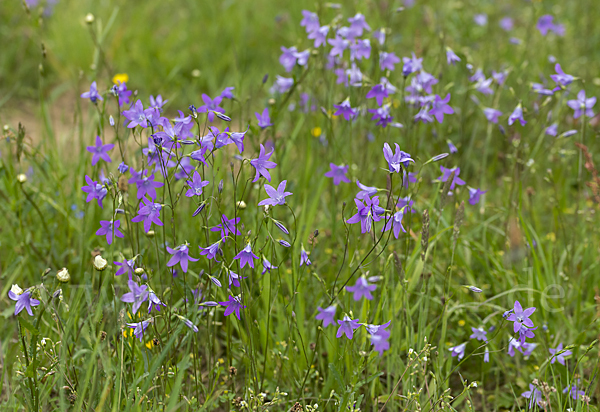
pixel 150 344
pixel 551 237
pixel 120 78
pixel 461 323
pixel 316 131
pixel 221 361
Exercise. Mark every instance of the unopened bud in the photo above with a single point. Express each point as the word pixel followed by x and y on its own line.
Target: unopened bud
pixel 89 18
pixel 150 233
pixel 21 178
pixel 139 271
pixel 241 204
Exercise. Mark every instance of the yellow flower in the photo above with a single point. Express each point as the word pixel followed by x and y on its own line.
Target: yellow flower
pixel 551 237
pixel 120 78
pixel 461 323
pixel 150 344
pixel 316 131
pixel 221 361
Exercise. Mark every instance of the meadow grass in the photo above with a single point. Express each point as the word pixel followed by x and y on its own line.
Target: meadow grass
pixel 533 236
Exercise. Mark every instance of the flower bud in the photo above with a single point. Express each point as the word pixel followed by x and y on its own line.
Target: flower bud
pixel 100 263
pixel 150 233
pixel 89 18
pixel 241 204
pixel 63 275
pixel 21 178
pixel 139 271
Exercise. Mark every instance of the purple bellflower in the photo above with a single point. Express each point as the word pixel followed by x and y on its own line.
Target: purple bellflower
pixel 100 151
pixel 234 304
pixel 227 226
pixel 411 65
pixel 533 394
pixel 107 227
pixel 446 173
pixel 365 191
pixel 211 106
pixel 492 114
pixel 149 213
pixel 126 266
pixel 276 197
pixel 387 61
pixel 395 159
pixel 326 315
pixel 196 185
pixel 451 57
pixel 137 116
pixel 521 317
pixel 338 173
pixel 582 105
pixel 362 288
pixel 92 94
pixel 440 107
pixel 558 356
pixel 262 163
pixel 304 260
pixel 211 251
pixel 379 92
pixel 246 256
pixel 479 334
pixel 310 21
pixel 153 301
pixel 181 256
pixel 137 295
pixel 395 222
pixel 517 114
pixel 139 328
pixel 94 190
pixel 475 195
pixel 458 350
pixel 23 301
pixel 368 212
pixel 267 266
pixel 146 185
pixel 347 327
pixel 264 120
pixel 344 109
pixel 561 78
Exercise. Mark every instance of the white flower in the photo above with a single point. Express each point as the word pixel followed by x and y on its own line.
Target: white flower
pixel 100 263
pixel 63 275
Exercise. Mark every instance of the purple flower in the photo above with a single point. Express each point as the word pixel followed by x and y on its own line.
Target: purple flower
pixel 149 213
pixel 93 94
pixel 546 24
pixel 379 35
pixel 480 19
pixel 262 163
pixel 552 130
pixel 227 93
pixel 521 317
pixel 338 173
pixel 561 78
pixel 458 350
pixel 246 256
pixel 319 36
pixel 388 60
pixel 582 105
pixel 395 222
pixel 227 226
pixel 362 288
pixel 500 77
pixel 492 114
pixel 339 45
pixel 326 315
pixel 120 90
pixel 347 327
pixel 100 151
pixel 304 260
pixel 559 354
pixel 512 345
pixel 406 204
pixel 451 147
pixel 367 212
pixel 288 58
pixel 282 84
pixel 196 185
pixel 360 50
pixel 24 301
pixel 94 190
pixel 137 116
pixel 446 173
pixel 475 195
pixel 210 106
pixel 310 21
pixel 284 243
pixel 479 334
pixel 451 57
pixel 527 348
pixel 486 355
pixel 153 301
pixel 395 159
pixel 506 23
pixel 411 65
pixel 365 191
pixel 181 256
pixel 423 115
pixel 524 333
pixel 107 227
pixel 137 295
pixel 540 89
pixel 344 109
pixel 211 251
pixel 440 107
pixel 267 266
pixel 379 92
pixel 264 120
pixel 533 394
pixel 234 304
pixel 127 266
pixel 123 168
pixel 357 24
pixel 483 86
pixel 139 328
pixel 277 197
pixel 573 391
pixel 145 184
pixel 157 103
pixel 517 114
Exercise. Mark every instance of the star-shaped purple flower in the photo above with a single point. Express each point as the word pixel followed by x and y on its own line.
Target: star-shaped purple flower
pixel 521 317
pixel 149 213
pixel 196 185
pixel 492 114
pixel 379 92
pixel 210 106
pixel 561 78
pixel 227 226
pixel 479 334
pixel 475 195
pixel 338 173
pixel 24 301
pixel 368 212
pixel 211 251
pixel 517 114
pixel 582 105
pixel 388 61
pixel 395 159
pixel 267 266
pixel 458 350
pixel 137 295
pixel 181 256
pixel 344 109
pixel 100 151
pixel 362 288
pixel 92 94
pixel 94 190
pixel 107 227
pixel 277 197
pixel 347 327
pixel 326 315
pixel 262 163
pixel 558 356
pixel 137 116
pixel 127 266
pixel 446 173
pixel 146 185
pixel 440 107
pixel 451 57
pixel 395 222
pixel 264 120
pixel 234 304
pixel 246 256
